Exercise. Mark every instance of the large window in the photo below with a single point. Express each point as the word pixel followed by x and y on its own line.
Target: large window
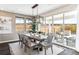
pixel 49 23
pixel 28 21
pixel 23 24
pixel 58 28
pixel 70 22
pixel 28 24
pixel 38 24
pixel 19 24
pixel 63 26
pixel 19 20
pixel 49 20
pixel 41 25
pixel 44 24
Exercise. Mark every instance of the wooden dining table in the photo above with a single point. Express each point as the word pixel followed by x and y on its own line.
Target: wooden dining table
pixel 36 37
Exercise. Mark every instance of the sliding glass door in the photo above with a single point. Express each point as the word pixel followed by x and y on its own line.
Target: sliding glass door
pixel 58 28
pixel 64 28
pixel 70 23
pixel 49 23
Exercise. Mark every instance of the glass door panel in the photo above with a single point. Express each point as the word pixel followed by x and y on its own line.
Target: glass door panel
pixel 70 22
pixel 49 24
pixel 58 28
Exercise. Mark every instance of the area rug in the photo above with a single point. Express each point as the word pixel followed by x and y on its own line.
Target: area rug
pixel 17 50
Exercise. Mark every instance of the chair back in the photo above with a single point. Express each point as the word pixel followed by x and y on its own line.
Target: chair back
pixel 20 36
pixel 26 41
pixel 49 38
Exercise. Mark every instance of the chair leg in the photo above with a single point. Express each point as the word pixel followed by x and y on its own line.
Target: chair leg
pixel 38 49
pixel 52 49
pixel 45 50
pixel 21 45
pixel 19 42
pixel 25 48
pixel 30 51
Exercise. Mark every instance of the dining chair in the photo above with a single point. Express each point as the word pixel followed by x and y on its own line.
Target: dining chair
pixel 28 45
pixel 20 39
pixel 58 38
pixel 48 43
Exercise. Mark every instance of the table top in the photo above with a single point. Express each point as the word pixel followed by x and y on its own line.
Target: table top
pixel 37 37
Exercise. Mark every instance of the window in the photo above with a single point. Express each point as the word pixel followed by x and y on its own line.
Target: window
pixel 58 28
pixel 28 24
pixel 19 20
pixel 58 19
pixel 70 17
pixel 19 24
pixel 64 28
pixel 23 24
pixel 28 21
pixel 42 20
pixel 48 23
pixel 49 20
pixel 43 26
pixel 58 22
pixel 70 22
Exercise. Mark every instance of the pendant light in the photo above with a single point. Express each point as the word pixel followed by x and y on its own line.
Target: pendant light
pixel 34 17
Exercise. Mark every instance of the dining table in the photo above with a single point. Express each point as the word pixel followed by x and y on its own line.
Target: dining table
pixel 37 37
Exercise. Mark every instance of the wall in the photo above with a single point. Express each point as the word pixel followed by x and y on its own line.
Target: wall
pixel 10 36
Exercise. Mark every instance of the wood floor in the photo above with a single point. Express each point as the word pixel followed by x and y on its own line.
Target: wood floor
pixel 5 50
pixel 17 50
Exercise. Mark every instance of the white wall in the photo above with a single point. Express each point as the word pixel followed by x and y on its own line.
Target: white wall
pixel 11 36
pixel 8 36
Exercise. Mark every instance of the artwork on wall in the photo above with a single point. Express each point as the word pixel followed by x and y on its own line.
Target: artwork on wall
pixel 5 24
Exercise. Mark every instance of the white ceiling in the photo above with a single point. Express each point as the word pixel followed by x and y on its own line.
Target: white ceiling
pixel 26 8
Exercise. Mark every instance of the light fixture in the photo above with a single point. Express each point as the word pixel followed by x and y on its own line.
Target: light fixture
pixel 34 26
